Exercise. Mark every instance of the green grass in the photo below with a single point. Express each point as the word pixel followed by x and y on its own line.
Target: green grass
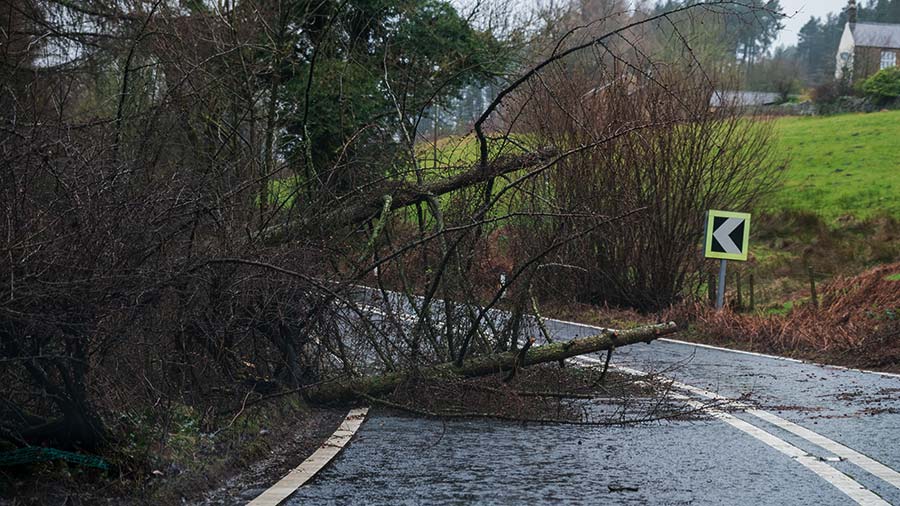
pixel 893 277
pixel 448 154
pixel 453 154
pixel 780 309
pixel 841 165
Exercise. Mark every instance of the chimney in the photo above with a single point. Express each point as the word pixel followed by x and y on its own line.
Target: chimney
pixel 851 11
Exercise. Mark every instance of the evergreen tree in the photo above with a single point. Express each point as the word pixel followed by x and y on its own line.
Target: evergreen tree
pixel 361 71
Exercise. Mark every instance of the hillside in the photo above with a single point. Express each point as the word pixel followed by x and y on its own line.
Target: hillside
pixel 840 165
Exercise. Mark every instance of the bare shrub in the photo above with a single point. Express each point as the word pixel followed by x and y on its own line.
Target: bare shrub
pixel 130 157
pixel 672 157
pixel 144 264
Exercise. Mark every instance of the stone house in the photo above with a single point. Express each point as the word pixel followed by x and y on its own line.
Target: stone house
pixel 866 48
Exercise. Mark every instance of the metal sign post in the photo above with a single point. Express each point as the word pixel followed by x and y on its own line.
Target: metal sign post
pixel 727 238
pixel 720 295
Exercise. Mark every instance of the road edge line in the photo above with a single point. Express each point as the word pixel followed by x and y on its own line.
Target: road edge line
pixel 740 352
pixel 835 477
pixel 301 474
pixel 864 462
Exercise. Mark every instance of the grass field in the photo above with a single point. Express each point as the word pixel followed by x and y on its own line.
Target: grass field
pixel 841 165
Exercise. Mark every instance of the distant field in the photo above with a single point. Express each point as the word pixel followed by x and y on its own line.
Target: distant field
pixel 846 164
pixel 840 165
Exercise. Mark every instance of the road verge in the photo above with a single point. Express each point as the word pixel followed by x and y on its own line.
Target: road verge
pixel 277 493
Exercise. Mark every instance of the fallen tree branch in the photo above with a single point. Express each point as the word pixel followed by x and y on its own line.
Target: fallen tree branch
pixel 364 207
pixel 373 386
pixel 530 393
pixel 520 360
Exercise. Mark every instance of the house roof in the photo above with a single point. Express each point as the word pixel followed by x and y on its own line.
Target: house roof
pixel 725 98
pixel 885 35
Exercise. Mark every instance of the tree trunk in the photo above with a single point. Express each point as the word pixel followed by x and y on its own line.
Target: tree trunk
pixel 356 388
pixel 405 194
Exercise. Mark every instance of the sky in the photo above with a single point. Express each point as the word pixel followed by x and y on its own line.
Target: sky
pixel 806 8
pixel 799 12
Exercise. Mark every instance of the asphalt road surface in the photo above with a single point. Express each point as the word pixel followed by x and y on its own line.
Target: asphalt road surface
pixel 806 434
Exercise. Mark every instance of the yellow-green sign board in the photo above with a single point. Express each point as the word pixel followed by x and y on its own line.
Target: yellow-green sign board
pixel 727 235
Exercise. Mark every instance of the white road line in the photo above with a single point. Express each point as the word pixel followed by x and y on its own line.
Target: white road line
pixel 312 465
pixel 839 480
pixel 576 324
pixel 862 461
pixel 872 466
pixel 777 357
pixel 740 352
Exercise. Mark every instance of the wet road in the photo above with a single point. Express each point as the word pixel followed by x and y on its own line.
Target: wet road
pixel 810 435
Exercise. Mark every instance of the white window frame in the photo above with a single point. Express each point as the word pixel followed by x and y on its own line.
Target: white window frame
pixel 888 59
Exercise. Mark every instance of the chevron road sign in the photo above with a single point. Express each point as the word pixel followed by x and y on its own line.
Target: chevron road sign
pixel 727 238
pixel 727 235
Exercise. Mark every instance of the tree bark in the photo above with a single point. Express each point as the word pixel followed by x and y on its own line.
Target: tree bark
pixel 356 388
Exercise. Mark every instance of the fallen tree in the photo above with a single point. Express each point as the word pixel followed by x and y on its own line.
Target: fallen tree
pixel 362 206
pixel 369 386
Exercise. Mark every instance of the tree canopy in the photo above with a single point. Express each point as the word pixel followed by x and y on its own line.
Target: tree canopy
pixel 386 63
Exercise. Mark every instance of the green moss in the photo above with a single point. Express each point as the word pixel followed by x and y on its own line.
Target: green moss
pixel 283 192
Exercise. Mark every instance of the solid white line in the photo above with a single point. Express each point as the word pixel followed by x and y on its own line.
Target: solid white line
pixel 778 357
pixel 582 325
pixel 841 481
pixel 312 465
pixel 842 368
pixel 862 461
pixel 740 352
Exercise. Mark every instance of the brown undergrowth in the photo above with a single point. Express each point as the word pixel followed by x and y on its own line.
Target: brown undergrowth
pixel 856 323
pixel 790 246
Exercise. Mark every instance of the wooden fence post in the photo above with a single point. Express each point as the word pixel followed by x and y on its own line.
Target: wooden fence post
pixel 812 284
pixel 752 295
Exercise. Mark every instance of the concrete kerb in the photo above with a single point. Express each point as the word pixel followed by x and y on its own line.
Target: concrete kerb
pixel 280 491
